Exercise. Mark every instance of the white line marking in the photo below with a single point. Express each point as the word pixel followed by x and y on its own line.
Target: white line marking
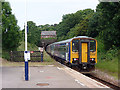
pixel 50 65
pixel 79 82
pixel 41 71
pixel 58 68
pixel 77 72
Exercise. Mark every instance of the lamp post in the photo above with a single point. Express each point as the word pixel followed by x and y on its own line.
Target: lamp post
pixel 25 53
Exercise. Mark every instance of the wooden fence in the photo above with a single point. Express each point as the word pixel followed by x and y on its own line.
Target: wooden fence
pixel 18 56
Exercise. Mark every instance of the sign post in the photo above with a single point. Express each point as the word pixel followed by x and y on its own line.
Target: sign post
pixel 26 52
pixel 41 50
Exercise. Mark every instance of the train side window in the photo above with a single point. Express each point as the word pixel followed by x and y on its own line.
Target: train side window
pixel 75 45
pixel 92 45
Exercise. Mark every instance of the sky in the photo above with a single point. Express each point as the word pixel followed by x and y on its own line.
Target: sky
pixel 50 12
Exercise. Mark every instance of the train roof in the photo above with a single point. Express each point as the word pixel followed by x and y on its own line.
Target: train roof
pixel 69 40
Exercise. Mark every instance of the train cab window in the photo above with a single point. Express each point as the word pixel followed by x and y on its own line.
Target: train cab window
pixel 75 45
pixel 92 45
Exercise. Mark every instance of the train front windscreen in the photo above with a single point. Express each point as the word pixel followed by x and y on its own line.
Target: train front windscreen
pixel 75 45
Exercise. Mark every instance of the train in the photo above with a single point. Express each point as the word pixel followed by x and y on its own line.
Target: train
pixel 80 51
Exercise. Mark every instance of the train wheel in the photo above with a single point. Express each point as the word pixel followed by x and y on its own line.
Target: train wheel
pixel 67 64
pixel 92 68
pixel 70 65
pixel 79 68
pixel 56 59
pixel 61 61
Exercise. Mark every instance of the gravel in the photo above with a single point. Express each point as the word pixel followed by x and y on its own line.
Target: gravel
pixel 104 76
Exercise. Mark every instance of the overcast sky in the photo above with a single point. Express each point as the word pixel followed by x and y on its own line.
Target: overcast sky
pixel 47 11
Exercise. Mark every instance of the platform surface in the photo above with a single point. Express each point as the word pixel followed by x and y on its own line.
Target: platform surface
pixel 46 76
pixel 13 77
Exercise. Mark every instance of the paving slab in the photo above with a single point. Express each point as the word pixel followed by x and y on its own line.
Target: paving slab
pixel 44 76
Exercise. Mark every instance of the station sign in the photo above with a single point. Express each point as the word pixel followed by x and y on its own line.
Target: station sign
pixel 41 49
pixel 27 55
pixel 31 51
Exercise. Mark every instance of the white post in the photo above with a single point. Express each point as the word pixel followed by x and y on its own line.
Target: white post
pixel 25 25
pixel 25 53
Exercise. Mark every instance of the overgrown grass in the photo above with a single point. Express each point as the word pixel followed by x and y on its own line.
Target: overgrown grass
pixel 31 47
pixel 47 58
pixel 109 66
pixel 107 60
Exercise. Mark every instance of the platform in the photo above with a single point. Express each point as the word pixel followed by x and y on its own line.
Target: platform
pixel 49 76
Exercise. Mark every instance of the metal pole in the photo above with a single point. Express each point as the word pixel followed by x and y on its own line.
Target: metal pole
pixel 41 56
pixel 26 61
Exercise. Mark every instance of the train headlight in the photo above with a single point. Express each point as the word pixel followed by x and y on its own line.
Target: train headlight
pixel 75 59
pixel 92 59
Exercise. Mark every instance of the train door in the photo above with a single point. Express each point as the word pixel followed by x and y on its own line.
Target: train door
pixel 84 51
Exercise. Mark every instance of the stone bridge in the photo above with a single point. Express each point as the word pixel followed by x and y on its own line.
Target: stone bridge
pixel 45 42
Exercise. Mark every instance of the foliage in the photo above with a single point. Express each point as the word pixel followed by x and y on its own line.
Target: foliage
pixel 31 47
pixel 107 59
pixel 6 54
pixel 10 30
pixel 49 38
pixel 81 28
pixel 109 21
pixel 103 23
pixel 47 27
pixel 34 34
pixel 74 24
pixel 93 23
pixel 109 66
pixel 0 29
pixel 106 55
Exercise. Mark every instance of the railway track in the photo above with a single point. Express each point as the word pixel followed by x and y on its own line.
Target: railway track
pixel 115 87
pixel 90 75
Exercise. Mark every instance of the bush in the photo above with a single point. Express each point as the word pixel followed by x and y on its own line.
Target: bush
pixel 112 53
pixel 6 54
pixel 106 54
pixel 108 59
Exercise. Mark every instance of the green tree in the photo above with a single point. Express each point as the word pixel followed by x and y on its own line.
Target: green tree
pixel 47 27
pixel 34 34
pixel 68 22
pixel 109 23
pixel 93 25
pixel 81 28
pixel 10 30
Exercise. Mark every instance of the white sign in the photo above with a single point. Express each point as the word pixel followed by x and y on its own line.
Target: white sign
pixel 41 49
pixel 27 55
pixel 66 43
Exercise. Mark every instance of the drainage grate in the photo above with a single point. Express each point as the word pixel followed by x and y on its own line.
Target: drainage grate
pixel 42 84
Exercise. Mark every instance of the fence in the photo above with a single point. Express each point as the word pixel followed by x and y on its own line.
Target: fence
pixel 18 56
